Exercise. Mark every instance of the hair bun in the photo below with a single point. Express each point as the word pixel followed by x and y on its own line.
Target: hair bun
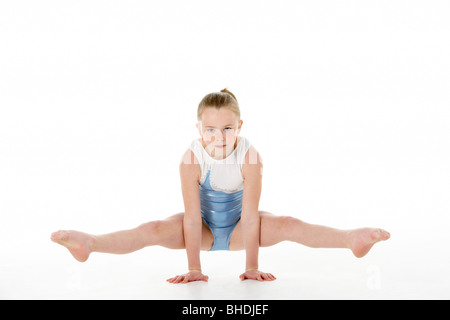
pixel 229 92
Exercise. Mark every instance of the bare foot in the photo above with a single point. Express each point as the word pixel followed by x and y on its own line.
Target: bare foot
pixel 78 243
pixel 363 239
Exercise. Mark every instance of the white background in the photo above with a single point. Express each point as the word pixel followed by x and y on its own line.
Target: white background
pixel 347 102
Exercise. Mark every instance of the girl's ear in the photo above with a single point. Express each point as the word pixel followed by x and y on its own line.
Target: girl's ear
pixel 240 125
pixel 199 127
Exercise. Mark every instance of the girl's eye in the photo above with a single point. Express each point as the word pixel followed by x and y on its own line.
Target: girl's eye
pixel 214 130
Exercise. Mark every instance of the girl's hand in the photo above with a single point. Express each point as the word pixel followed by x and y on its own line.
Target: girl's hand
pixel 257 275
pixel 188 277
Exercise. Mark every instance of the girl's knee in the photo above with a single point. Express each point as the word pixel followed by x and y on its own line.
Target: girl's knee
pixel 152 227
pixel 287 221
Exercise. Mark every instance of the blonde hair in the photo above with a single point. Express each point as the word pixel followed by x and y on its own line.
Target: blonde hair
pixel 222 99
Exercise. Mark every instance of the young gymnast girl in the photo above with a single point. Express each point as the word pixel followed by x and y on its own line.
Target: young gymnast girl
pixel 221 179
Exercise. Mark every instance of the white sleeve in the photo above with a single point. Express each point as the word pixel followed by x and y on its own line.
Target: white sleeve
pixel 197 152
pixel 243 148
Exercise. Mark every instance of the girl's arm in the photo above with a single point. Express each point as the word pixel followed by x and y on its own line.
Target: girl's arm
pixel 250 221
pixel 192 224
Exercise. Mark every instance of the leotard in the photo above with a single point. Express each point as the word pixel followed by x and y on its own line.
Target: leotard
pixel 221 189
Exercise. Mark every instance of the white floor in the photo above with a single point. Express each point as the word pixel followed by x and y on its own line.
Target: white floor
pixel 397 269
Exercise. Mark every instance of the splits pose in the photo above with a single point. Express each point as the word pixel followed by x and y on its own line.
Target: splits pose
pixel 221 180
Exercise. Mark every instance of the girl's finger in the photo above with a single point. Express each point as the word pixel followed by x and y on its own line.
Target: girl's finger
pixel 269 277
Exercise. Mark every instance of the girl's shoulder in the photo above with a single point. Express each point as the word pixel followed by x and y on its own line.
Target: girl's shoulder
pixel 252 156
pixel 192 155
pixel 190 170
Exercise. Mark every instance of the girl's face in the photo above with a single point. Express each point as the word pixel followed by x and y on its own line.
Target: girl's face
pixel 219 129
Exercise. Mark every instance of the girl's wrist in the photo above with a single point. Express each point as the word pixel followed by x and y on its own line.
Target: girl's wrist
pixel 195 270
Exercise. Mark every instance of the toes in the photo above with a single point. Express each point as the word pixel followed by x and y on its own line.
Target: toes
pixel 64 235
pixel 56 236
pixel 382 234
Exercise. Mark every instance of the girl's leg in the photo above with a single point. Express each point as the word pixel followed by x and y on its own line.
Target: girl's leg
pixel 275 229
pixel 167 233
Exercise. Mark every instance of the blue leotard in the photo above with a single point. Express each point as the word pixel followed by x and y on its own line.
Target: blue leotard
pixel 221 190
pixel 221 212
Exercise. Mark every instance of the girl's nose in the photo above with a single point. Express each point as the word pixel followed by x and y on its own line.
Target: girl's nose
pixel 219 135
